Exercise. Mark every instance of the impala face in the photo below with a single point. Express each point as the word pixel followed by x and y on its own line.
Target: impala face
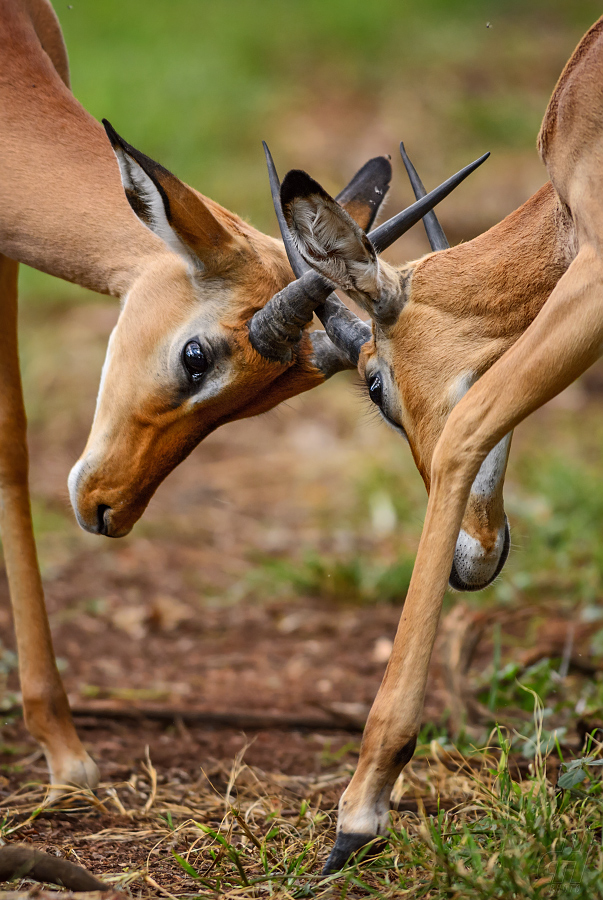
pixel 177 366
pixel 181 359
pixel 415 382
pixel 422 359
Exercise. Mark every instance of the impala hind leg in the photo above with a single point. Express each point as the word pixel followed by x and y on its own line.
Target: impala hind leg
pixel 561 343
pixel 45 704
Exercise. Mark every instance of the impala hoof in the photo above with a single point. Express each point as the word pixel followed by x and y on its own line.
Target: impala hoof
pixel 73 776
pixel 346 845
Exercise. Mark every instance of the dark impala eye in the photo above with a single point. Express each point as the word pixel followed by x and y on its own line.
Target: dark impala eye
pixel 376 389
pixel 195 360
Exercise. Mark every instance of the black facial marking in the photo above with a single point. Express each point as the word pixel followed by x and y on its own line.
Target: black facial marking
pixel 405 753
pixel 375 389
pixel 194 360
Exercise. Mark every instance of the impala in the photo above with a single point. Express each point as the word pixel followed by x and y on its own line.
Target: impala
pixel 465 343
pixel 210 330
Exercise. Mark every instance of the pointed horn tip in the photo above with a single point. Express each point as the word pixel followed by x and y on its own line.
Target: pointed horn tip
pixel 479 161
pixel 475 164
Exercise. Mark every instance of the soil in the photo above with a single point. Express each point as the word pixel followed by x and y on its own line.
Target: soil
pixel 187 614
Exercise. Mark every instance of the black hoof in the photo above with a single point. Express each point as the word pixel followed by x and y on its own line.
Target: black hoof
pixel 346 845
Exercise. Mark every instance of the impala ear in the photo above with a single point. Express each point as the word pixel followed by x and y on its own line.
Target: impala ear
pixel 330 240
pixel 169 208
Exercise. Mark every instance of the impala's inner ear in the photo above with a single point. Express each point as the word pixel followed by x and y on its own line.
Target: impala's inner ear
pixel 330 240
pixel 169 208
pixel 325 234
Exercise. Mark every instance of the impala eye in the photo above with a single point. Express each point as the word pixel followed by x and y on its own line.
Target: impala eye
pixel 376 389
pixel 194 360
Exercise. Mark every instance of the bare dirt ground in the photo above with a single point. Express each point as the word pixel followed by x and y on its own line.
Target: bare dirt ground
pixel 172 616
pixel 189 613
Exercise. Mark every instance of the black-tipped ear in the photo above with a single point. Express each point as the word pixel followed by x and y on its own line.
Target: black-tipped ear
pixel 297 185
pixel 126 155
pixel 169 208
pixel 363 196
pixel 329 239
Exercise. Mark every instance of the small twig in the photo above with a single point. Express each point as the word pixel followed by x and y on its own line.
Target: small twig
pixel 158 887
pixel 153 776
pixel 567 651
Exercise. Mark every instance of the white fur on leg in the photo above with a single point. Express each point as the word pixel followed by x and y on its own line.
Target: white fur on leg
pixel 70 772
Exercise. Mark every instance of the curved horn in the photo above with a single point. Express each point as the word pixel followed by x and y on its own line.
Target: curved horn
pixel 276 328
pixel 346 330
pixel 296 261
pixel 326 357
pixel 385 235
pixel 433 229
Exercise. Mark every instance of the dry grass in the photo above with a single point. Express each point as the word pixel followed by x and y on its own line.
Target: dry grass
pixel 242 832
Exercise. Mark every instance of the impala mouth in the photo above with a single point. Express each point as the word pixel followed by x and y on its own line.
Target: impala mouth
pixel 472 568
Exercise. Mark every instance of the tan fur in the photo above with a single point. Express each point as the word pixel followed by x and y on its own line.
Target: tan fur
pixel 63 210
pixel 466 306
pixel 524 305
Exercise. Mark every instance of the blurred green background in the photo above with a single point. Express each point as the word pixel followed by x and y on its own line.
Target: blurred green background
pixel 314 503
pixel 197 84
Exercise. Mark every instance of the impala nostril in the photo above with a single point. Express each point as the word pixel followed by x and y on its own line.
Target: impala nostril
pixel 102 518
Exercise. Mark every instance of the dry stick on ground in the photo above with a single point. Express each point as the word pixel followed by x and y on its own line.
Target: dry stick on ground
pixel 60 895
pixel 234 719
pixel 22 861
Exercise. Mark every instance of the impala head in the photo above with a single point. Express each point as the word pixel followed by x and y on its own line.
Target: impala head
pixel 420 358
pixel 189 352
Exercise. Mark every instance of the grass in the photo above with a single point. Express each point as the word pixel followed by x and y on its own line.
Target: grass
pixel 197 86
pixel 247 833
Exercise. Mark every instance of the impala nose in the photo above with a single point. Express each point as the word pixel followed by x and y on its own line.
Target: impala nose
pixel 103 518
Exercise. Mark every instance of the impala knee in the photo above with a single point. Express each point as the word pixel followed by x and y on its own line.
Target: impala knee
pixel 460 450
pixel 455 461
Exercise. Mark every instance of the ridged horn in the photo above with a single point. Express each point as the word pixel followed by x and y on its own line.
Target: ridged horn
pixel 344 328
pixel 434 231
pixel 275 329
pixel 385 235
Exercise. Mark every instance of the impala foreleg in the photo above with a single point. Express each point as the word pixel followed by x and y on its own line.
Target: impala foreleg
pixel 45 704
pixel 561 343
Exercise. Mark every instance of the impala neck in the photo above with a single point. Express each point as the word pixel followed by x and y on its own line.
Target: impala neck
pixel 501 278
pixel 63 209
